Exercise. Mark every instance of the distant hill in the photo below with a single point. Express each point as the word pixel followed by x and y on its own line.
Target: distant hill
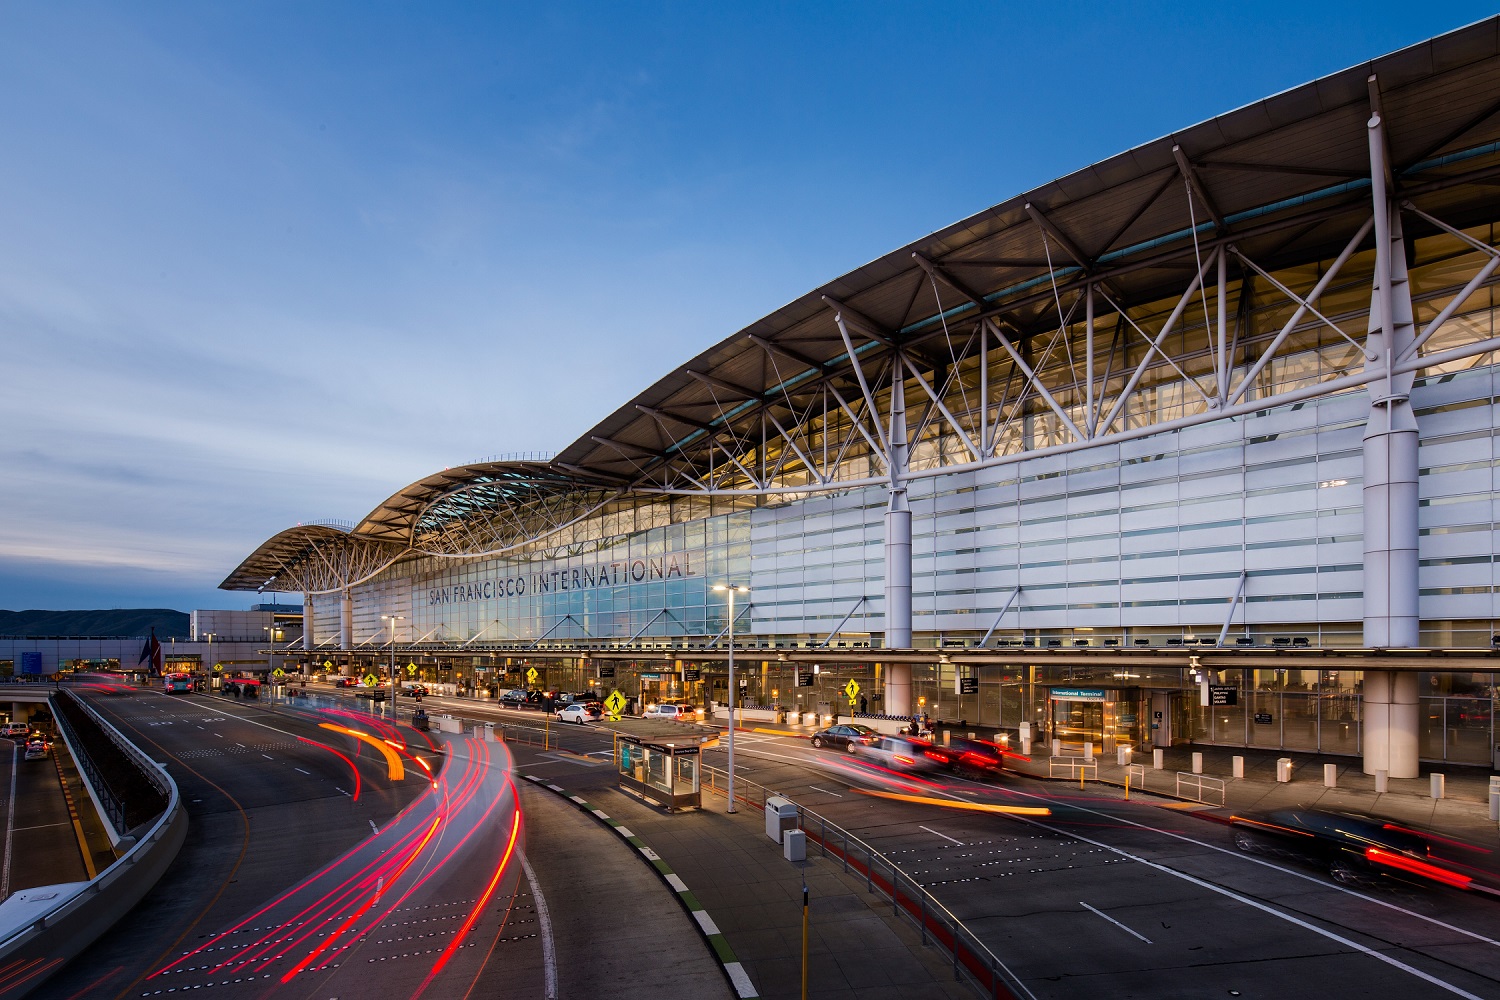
pixel 122 621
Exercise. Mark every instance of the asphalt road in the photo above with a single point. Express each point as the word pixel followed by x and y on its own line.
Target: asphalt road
pixel 1129 898
pixel 41 847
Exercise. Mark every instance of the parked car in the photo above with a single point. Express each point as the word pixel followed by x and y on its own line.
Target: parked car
pixel 902 753
pixel 14 729
pixel 674 712
pixel 843 737
pixel 578 712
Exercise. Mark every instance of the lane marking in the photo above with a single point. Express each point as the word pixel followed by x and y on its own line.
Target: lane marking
pixel 374 829
pixel 1264 863
pixel 825 791
pixel 268 756
pixel 544 920
pixel 1112 920
pixel 10 820
pixel 308 773
pixel 929 829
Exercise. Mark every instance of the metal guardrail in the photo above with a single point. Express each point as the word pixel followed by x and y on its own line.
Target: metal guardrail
pixel 971 957
pixel 1199 787
pixel 107 796
pixel 1073 768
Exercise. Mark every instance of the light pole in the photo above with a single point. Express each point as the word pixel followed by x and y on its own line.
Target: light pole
pixel 270 632
pixel 393 619
pixel 731 590
pixel 210 655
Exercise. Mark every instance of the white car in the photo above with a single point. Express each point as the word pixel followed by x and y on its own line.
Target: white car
pixel 577 712
pixel 677 713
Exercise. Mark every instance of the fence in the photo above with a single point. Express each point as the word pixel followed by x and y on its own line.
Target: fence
pixel 1199 787
pixel 127 784
pixel 1073 768
pixel 938 925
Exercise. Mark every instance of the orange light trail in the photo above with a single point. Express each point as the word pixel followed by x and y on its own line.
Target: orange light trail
pixel 927 800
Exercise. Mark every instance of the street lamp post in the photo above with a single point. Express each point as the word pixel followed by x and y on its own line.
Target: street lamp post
pixel 270 632
pixel 731 590
pixel 210 654
pixel 393 619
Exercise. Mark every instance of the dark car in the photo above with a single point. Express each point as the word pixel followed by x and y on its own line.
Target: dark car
pixel 1357 850
pixel 842 737
pixel 975 758
pixel 514 696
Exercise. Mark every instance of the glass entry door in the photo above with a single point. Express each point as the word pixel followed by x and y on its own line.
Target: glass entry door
pixel 1078 722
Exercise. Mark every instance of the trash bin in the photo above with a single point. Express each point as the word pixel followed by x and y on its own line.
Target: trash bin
pixel 794 845
pixel 781 815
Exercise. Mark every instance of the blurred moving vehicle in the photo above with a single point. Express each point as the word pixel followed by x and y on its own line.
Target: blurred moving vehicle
pixel 515 696
pixel 578 712
pixel 843 737
pixel 36 750
pixel 903 753
pixel 976 758
pixel 1357 850
pixel 672 711
pixel 14 729
pixel 176 683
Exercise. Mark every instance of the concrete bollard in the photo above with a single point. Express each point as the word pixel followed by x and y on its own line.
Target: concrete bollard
pixel 1439 785
pixel 1330 776
pixel 1197 763
pixel 1158 760
pixel 1122 756
pixel 1237 766
pixel 947 734
pixel 973 736
pixel 1283 769
pixel 1056 747
pixel 1088 750
pixel 1026 746
pixel 1382 782
pixel 1495 798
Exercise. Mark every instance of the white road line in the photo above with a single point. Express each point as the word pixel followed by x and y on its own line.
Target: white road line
pixel 43 826
pixel 1324 883
pixel 929 829
pixel 825 791
pixel 308 773
pixel 1112 920
pixel 1262 907
pixel 338 789
pixel 544 922
pixel 374 829
pixel 10 824
pixel 268 756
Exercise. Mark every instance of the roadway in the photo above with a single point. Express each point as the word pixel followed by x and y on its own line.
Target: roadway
pixel 41 845
pixel 310 872
pixel 1125 897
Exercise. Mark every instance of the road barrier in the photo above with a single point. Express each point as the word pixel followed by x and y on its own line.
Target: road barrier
pixel 1073 768
pixel 79 917
pixel 1199 787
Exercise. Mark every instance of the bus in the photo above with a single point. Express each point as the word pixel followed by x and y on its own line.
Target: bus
pixel 175 683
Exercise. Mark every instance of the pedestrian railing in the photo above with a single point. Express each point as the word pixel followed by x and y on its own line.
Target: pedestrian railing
pixel 1135 775
pixel 1199 787
pixel 970 956
pixel 1073 768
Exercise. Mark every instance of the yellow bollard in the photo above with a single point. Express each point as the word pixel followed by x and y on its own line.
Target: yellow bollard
pixel 1127 786
pixel 804 941
pixel 1080 777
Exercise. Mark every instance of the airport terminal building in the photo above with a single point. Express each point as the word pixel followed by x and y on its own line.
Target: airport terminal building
pixel 1194 444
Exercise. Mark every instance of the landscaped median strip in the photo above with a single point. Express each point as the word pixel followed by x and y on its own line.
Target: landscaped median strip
pixel 738 978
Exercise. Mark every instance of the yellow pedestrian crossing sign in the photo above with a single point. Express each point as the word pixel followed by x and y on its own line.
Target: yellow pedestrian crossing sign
pixel 327 664
pixel 411 668
pixel 852 690
pixel 278 673
pixel 370 680
pixel 531 675
pixel 218 667
pixel 615 703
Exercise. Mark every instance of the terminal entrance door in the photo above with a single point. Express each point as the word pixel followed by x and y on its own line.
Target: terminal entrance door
pixel 1077 723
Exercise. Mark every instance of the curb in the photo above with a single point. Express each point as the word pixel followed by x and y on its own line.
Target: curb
pixel 733 970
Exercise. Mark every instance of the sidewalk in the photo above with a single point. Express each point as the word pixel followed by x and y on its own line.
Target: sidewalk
pixel 751 896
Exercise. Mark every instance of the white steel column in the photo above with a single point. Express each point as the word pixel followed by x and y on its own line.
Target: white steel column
pixel 898 699
pixel 346 622
pixel 1390 440
pixel 1391 726
pixel 898 527
pixel 309 622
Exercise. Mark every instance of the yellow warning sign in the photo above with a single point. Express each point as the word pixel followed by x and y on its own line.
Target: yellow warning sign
pixel 278 673
pixel 615 703
pixel 531 675
pixel 370 680
pixel 411 668
pixel 327 664
pixel 852 690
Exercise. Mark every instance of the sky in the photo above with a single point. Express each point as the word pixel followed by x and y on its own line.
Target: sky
pixel 267 263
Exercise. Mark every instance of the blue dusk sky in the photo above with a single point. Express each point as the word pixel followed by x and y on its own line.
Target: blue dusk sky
pixel 263 263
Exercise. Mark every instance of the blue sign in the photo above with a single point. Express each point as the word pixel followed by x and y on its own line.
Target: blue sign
pixel 1077 694
pixel 31 663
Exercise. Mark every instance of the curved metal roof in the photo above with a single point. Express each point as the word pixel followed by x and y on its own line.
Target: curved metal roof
pixel 1283 181
pixel 1285 178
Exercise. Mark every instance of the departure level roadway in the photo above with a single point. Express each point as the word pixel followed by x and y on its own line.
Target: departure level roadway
pixel 295 881
pixel 1127 897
